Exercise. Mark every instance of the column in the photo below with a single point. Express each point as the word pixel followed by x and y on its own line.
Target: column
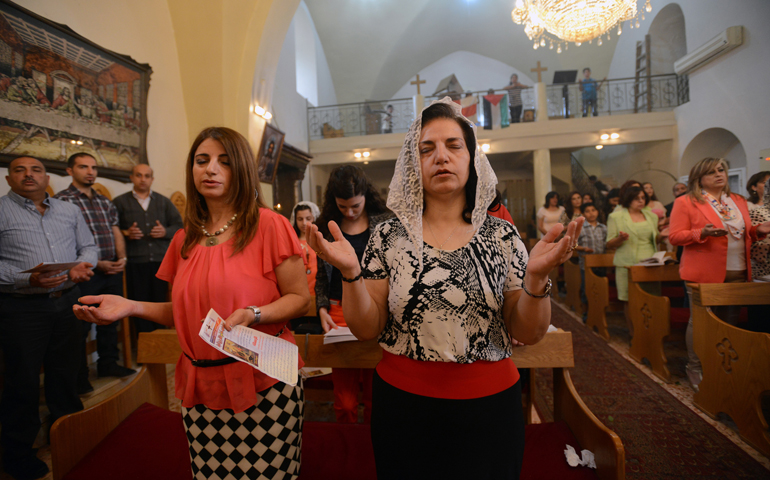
pixel 541 162
pixel 418 103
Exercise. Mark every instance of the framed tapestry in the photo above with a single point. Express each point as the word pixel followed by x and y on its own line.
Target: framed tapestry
pixel 61 94
pixel 269 153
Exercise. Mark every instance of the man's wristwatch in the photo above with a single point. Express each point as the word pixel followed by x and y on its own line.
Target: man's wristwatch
pixel 257 314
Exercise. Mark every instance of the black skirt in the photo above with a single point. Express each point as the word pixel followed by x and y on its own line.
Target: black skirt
pixel 417 437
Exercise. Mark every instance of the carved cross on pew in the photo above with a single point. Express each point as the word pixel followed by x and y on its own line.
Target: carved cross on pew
pixel 417 82
pixel 539 70
pixel 728 354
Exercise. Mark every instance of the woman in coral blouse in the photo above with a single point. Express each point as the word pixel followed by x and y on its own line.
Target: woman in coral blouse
pixel 714 227
pixel 244 261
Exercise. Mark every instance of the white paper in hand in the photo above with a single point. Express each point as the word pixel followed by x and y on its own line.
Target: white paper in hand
pixel 273 356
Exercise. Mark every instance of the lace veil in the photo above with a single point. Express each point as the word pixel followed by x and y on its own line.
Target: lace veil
pixel 405 197
pixel 314 210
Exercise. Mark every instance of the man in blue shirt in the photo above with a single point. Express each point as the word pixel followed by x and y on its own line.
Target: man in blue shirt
pixel 37 326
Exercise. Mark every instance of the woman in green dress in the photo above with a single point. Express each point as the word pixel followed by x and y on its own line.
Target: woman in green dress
pixel 633 231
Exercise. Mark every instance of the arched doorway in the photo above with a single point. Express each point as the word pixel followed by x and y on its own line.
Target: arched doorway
pixel 668 42
pixel 717 142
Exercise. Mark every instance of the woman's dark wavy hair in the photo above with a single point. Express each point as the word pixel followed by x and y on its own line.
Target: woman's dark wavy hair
pixel 549 196
pixel 568 203
pixel 346 182
pixel 442 110
pixel 630 194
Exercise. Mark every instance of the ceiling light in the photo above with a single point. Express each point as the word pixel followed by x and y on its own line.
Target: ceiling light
pixel 605 136
pixel 485 147
pixel 366 154
pixel 615 136
pixel 357 154
pixel 575 21
pixel 599 147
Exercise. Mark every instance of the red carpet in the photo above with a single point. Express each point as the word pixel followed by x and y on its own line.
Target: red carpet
pixel 663 438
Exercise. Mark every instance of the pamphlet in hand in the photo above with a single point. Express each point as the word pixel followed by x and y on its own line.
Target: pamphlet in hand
pixel 273 356
pixel 656 260
pixel 340 334
pixel 51 267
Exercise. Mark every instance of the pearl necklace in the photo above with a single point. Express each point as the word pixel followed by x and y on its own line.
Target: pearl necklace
pixel 211 239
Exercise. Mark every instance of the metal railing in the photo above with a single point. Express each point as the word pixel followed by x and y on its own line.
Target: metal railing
pixel 354 119
pixel 615 96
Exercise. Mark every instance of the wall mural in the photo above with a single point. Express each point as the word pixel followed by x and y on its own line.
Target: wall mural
pixel 61 94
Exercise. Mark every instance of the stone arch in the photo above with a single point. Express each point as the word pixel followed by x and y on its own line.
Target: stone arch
pixel 713 142
pixel 668 42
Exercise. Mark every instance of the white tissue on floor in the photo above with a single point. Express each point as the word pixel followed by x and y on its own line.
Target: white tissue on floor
pixel 574 460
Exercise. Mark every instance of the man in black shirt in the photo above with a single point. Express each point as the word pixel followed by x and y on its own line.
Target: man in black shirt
pixel 148 221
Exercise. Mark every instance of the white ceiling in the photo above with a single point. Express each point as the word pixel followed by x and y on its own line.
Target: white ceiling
pixel 373 47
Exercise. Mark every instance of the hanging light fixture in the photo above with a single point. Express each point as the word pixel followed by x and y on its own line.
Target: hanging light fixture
pixel 576 21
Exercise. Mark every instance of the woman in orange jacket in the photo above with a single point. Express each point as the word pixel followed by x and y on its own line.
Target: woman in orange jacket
pixel 714 227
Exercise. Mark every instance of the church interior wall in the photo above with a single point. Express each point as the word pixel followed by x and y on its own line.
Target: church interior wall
pixel 730 91
pixel 145 33
pixel 474 72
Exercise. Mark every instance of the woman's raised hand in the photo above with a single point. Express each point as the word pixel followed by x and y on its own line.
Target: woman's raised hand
pixel 547 254
pixel 109 309
pixel 338 253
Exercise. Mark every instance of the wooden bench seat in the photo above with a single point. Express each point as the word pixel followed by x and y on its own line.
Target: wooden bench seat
pixel 158 348
pixel 572 285
pixel 736 362
pixel 599 293
pixel 652 316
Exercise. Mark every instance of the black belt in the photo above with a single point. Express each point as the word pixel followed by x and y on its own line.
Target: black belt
pixel 56 294
pixel 221 361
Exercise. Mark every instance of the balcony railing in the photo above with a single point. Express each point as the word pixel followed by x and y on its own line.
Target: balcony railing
pixel 614 97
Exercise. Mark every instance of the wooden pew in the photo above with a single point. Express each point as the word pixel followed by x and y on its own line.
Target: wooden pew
pixel 158 348
pixel 572 284
pixel 651 316
pixel 736 362
pixel 598 293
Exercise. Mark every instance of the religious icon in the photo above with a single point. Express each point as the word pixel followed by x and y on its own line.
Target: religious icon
pixel 269 153
pixel 61 93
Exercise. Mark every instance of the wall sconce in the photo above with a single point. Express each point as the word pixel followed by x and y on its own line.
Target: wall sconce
pixel 364 154
pixel 485 147
pixel 615 136
pixel 605 136
pixel 76 142
pixel 599 147
pixel 262 112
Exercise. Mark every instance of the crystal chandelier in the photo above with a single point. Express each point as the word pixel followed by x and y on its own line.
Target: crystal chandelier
pixel 558 22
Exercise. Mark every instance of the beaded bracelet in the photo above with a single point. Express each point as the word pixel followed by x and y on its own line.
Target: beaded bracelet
pixel 351 280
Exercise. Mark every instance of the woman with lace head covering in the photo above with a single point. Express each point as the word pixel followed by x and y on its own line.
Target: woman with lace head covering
pixel 445 287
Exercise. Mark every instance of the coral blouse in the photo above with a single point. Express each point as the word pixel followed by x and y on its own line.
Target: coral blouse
pixel 210 277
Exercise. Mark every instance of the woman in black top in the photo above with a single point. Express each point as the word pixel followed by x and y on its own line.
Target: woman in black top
pixel 354 204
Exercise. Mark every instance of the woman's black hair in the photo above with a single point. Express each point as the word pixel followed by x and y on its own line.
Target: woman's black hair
pixel 298 208
pixel 568 203
pixel 442 110
pixel 346 182
pixel 549 196
pixel 631 193
pixel 759 177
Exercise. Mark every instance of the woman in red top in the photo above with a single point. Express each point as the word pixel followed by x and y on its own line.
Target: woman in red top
pixel 445 287
pixel 714 227
pixel 244 261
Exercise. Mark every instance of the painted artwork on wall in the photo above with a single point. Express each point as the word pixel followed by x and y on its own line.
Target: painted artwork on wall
pixel 61 94
pixel 269 153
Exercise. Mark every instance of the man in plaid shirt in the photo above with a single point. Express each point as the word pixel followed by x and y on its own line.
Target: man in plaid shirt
pixel 102 219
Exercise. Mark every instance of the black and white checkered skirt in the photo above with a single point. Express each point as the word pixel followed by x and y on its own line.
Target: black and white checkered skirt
pixel 263 442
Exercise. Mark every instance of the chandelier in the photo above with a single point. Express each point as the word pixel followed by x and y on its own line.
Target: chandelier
pixel 558 22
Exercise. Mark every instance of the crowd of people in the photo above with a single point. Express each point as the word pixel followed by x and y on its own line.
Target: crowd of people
pixel 718 235
pixel 438 274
